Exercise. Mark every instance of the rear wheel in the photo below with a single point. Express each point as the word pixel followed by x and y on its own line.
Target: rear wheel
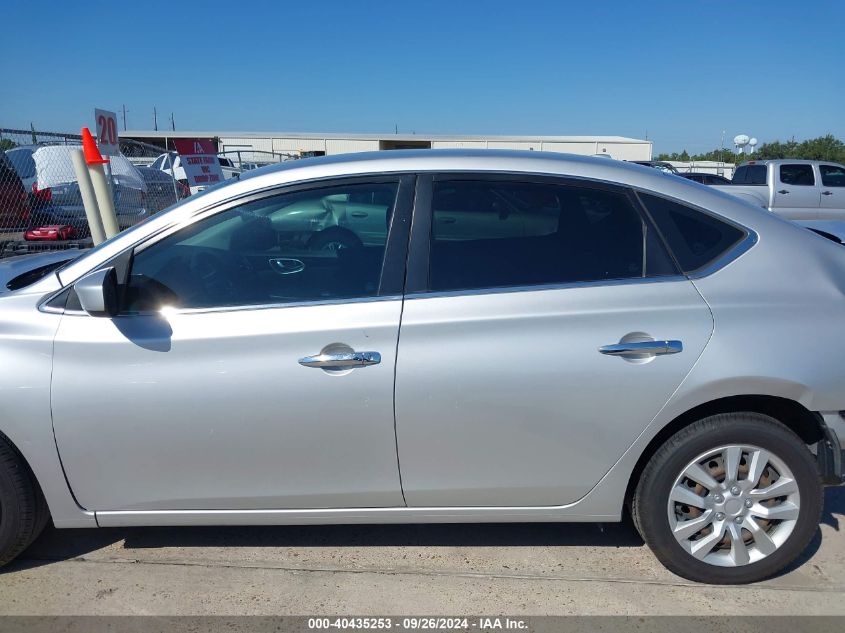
pixel 732 498
pixel 23 511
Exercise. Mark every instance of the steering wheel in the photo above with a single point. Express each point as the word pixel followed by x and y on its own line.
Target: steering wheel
pixel 215 276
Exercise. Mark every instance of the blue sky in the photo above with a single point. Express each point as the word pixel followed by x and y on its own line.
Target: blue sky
pixel 680 72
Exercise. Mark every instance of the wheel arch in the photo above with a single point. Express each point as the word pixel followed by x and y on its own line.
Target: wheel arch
pixel 48 475
pixel 804 423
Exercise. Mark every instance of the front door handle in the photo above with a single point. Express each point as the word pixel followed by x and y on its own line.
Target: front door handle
pixel 827 193
pixel 645 347
pixel 783 191
pixel 341 361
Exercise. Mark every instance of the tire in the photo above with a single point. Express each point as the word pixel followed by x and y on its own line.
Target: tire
pixel 23 511
pixel 736 558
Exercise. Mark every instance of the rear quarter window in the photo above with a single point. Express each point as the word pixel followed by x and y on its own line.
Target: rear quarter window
pixel 750 175
pixel 695 238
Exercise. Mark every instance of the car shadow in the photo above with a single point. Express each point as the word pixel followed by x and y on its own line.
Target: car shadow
pixel 57 545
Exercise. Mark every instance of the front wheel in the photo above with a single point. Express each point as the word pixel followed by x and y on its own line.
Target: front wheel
pixel 23 512
pixel 732 498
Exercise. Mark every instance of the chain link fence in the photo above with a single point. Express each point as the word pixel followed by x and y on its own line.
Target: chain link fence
pixel 40 203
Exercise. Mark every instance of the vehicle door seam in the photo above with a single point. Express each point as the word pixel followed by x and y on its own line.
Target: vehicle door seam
pixel 53 423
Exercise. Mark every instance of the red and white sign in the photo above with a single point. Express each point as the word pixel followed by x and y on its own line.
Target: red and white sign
pixel 107 139
pixel 199 160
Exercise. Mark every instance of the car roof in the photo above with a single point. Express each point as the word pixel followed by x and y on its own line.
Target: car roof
pixel 788 161
pixel 422 160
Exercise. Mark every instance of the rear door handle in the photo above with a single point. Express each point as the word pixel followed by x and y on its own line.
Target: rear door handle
pixel 645 347
pixel 782 191
pixel 339 361
pixel 827 193
pixel 358 214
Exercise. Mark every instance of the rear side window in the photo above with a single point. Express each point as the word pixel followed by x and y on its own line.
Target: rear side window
pixel 750 175
pixel 798 175
pixel 832 175
pixel 695 238
pixel 496 234
pixel 23 162
pixel 7 173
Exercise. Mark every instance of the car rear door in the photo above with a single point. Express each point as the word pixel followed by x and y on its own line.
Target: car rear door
pixel 245 370
pixel 796 191
pixel 518 380
pixel 833 192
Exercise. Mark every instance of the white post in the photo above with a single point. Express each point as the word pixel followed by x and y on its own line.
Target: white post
pixel 102 190
pixel 89 200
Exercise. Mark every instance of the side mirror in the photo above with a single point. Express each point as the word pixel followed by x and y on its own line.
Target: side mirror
pixel 97 293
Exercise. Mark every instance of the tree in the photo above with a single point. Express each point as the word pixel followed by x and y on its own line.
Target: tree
pixel 6 143
pixel 826 147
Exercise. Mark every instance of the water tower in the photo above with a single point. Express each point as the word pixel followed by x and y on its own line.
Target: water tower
pixel 752 143
pixel 740 141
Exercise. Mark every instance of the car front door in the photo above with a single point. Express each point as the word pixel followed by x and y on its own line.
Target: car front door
pixel 245 371
pixel 513 383
pixel 796 191
pixel 833 192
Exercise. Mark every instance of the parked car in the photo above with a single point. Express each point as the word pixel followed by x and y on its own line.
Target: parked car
pixel 14 203
pixel 56 188
pixel 704 178
pixel 51 233
pixel 171 162
pixel 560 359
pixel 794 189
pixel 162 190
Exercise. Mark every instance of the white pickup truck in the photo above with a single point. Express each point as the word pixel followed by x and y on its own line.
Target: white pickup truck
pixel 794 189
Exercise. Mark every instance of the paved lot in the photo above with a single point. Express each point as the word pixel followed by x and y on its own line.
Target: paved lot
pixel 435 569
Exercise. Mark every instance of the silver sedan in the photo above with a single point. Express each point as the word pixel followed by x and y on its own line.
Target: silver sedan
pixel 436 336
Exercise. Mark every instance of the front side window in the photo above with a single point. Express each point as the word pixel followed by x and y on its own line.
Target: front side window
pixel 695 238
pixel 495 234
pixel 315 245
pixel 832 175
pixel 798 175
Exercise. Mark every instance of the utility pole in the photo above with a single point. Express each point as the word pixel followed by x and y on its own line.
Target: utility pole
pixel 172 122
pixel 124 117
pixel 155 119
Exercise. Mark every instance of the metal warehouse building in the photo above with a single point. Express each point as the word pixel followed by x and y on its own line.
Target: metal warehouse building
pixel 265 144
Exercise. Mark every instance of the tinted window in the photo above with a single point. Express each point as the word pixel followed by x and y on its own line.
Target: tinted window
pixel 801 175
pixel 832 175
pixel 7 173
pixel 320 244
pixel 23 162
pixel 490 234
pixel 695 238
pixel 750 175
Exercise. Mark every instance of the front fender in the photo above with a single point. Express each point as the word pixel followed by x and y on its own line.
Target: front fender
pixel 26 351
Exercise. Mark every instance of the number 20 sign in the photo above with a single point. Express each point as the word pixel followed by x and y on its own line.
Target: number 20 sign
pixel 107 132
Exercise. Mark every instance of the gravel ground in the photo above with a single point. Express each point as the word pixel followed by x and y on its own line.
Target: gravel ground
pixel 525 569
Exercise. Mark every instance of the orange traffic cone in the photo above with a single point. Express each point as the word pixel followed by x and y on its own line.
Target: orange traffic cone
pixel 90 149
